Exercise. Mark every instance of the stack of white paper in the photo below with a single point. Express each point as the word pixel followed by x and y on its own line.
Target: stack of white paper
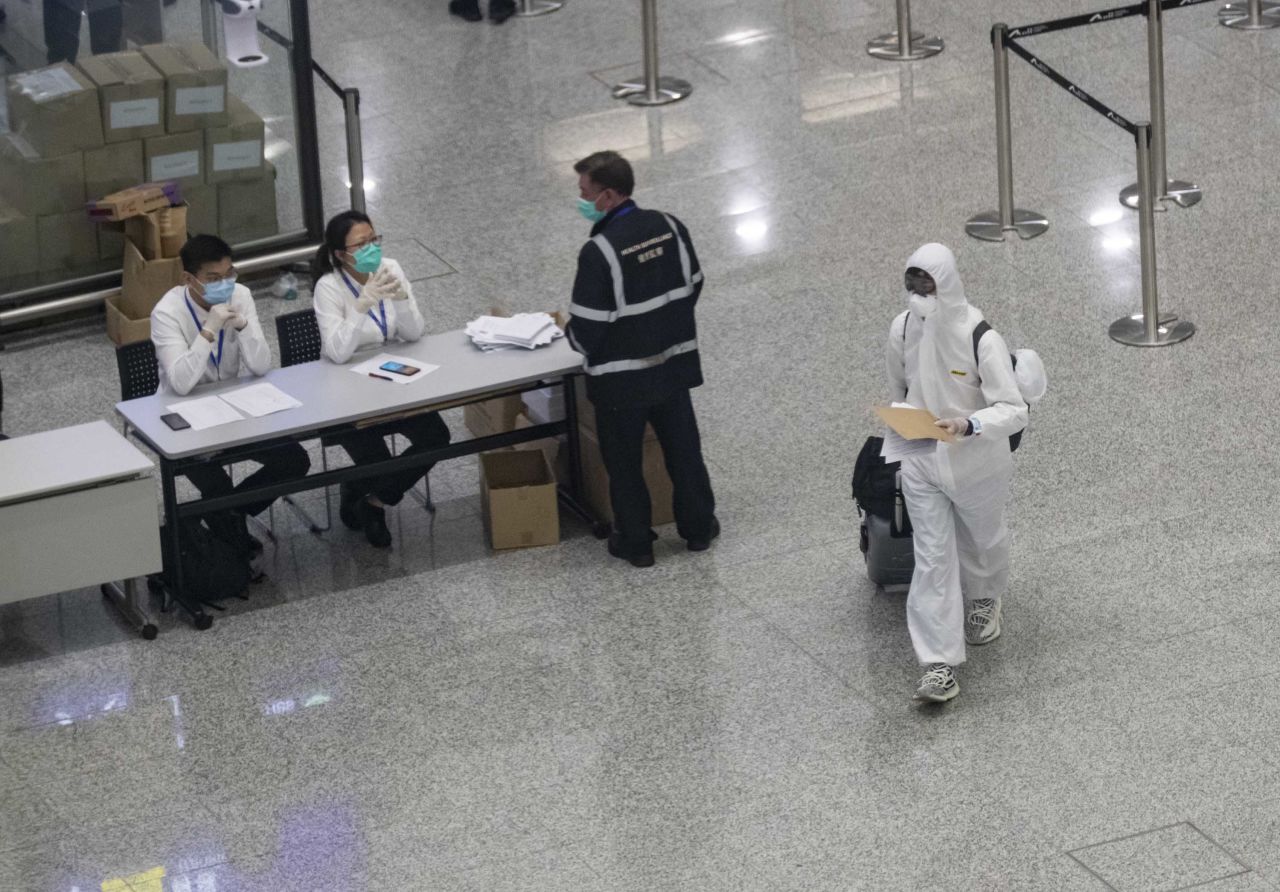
pixel 526 330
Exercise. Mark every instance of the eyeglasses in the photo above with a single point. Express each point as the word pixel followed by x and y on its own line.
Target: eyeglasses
pixel 919 282
pixel 214 278
pixel 376 240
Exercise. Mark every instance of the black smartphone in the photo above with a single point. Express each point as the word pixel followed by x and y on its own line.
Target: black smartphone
pixel 400 368
pixel 175 421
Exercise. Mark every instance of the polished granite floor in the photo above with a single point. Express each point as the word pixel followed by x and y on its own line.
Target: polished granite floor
pixel 438 717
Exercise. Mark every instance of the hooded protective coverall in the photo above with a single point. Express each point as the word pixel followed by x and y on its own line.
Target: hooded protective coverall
pixel 956 494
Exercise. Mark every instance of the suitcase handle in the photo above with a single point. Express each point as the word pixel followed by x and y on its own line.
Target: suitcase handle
pixel 897 502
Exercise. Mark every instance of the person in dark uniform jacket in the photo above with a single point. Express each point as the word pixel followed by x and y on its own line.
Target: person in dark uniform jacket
pixel 632 320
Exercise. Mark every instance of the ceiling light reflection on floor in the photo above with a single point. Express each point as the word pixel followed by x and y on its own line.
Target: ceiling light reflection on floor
pixel 1117 243
pixel 752 231
pixel 740 38
pixel 1105 216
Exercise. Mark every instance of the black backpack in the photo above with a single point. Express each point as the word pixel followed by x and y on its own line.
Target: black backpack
pixel 1015 440
pixel 215 560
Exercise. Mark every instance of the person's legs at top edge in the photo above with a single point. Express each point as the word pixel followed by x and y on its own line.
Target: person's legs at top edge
pixel 935 609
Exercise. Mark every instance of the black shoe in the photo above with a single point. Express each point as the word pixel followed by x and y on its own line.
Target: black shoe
pixel 374 521
pixel 500 12
pixel 641 559
pixel 348 501
pixel 466 9
pixel 704 544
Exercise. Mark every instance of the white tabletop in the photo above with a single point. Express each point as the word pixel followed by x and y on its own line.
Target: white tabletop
pixel 69 458
pixel 331 394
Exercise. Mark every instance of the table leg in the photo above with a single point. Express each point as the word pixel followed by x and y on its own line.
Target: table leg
pixel 126 601
pixel 173 548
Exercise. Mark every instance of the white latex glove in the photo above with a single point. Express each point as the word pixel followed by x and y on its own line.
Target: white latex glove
pixel 957 427
pixel 397 290
pixel 376 289
pixel 219 316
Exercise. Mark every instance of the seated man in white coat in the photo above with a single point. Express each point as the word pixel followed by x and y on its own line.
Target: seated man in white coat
pixel 956 493
pixel 207 330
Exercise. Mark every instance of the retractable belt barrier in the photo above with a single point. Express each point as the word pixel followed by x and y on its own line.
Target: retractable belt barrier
pixel 1074 89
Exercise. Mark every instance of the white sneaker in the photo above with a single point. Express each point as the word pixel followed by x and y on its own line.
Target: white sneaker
pixel 938 684
pixel 982 621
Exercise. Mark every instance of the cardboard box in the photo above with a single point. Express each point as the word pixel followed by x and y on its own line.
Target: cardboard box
pixel 178 157
pixel 134 201
pixel 247 208
pixel 123 328
pixel 159 234
pixel 113 167
pixel 20 255
pixel 552 447
pixel 36 186
pixel 496 416
pixel 195 85
pixel 595 479
pixel 56 109
pixel 202 210
pixel 145 281
pixel 544 405
pixel 234 152
pixel 518 499
pixel 131 93
pixel 66 241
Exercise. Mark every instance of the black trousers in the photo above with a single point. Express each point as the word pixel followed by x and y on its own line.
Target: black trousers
pixel 621 433
pixel 62 28
pixel 279 464
pixel 424 432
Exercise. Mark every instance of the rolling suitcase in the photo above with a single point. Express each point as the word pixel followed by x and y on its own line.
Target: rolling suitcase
pixel 885 534
pixel 887 544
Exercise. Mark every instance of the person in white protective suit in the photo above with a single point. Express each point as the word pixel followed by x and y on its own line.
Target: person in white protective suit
pixel 956 493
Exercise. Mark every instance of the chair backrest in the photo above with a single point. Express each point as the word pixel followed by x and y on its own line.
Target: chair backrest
pixel 299 337
pixel 139 371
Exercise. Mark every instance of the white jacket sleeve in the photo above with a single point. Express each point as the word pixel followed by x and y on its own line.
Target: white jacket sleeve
pixel 1006 412
pixel 410 323
pixel 337 318
pixel 255 353
pixel 183 362
pixel 895 359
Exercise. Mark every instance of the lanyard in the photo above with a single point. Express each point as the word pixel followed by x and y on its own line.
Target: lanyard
pixel 217 363
pixel 381 323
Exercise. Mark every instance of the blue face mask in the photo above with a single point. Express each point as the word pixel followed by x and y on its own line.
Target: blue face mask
pixel 219 292
pixel 589 210
pixel 368 259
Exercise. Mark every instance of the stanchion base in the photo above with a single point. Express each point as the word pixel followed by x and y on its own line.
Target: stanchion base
pixel 886 47
pixel 670 89
pixel 987 226
pixel 1132 331
pixel 1182 193
pixel 537 7
pixel 1236 15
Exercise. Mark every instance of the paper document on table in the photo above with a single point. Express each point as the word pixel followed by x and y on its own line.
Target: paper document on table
pixel 205 412
pixel 374 367
pixel 913 424
pixel 260 399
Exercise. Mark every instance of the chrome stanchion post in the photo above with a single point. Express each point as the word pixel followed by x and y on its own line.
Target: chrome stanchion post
pixel 991 226
pixel 1183 193
pixel 904 45
pixel 652 89
pixel 355 147
pixel 1148 328
pixel 1254 15
pixel 536 7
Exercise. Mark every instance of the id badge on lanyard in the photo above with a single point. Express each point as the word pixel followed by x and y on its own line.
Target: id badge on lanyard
pixel 381 323
pixel 222 333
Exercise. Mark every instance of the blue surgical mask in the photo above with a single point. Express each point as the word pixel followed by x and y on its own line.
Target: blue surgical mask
pixel 368 259
pixel 219 292
pixel 589 210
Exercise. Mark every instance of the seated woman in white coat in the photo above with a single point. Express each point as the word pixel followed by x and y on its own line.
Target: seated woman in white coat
pixel 364 301
pixel 956 493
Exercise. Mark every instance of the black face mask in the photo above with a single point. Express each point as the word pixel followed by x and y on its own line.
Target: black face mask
pixel 917 281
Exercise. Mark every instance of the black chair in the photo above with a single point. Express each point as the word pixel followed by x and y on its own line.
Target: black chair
pixel 140 376
pixel 299 336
